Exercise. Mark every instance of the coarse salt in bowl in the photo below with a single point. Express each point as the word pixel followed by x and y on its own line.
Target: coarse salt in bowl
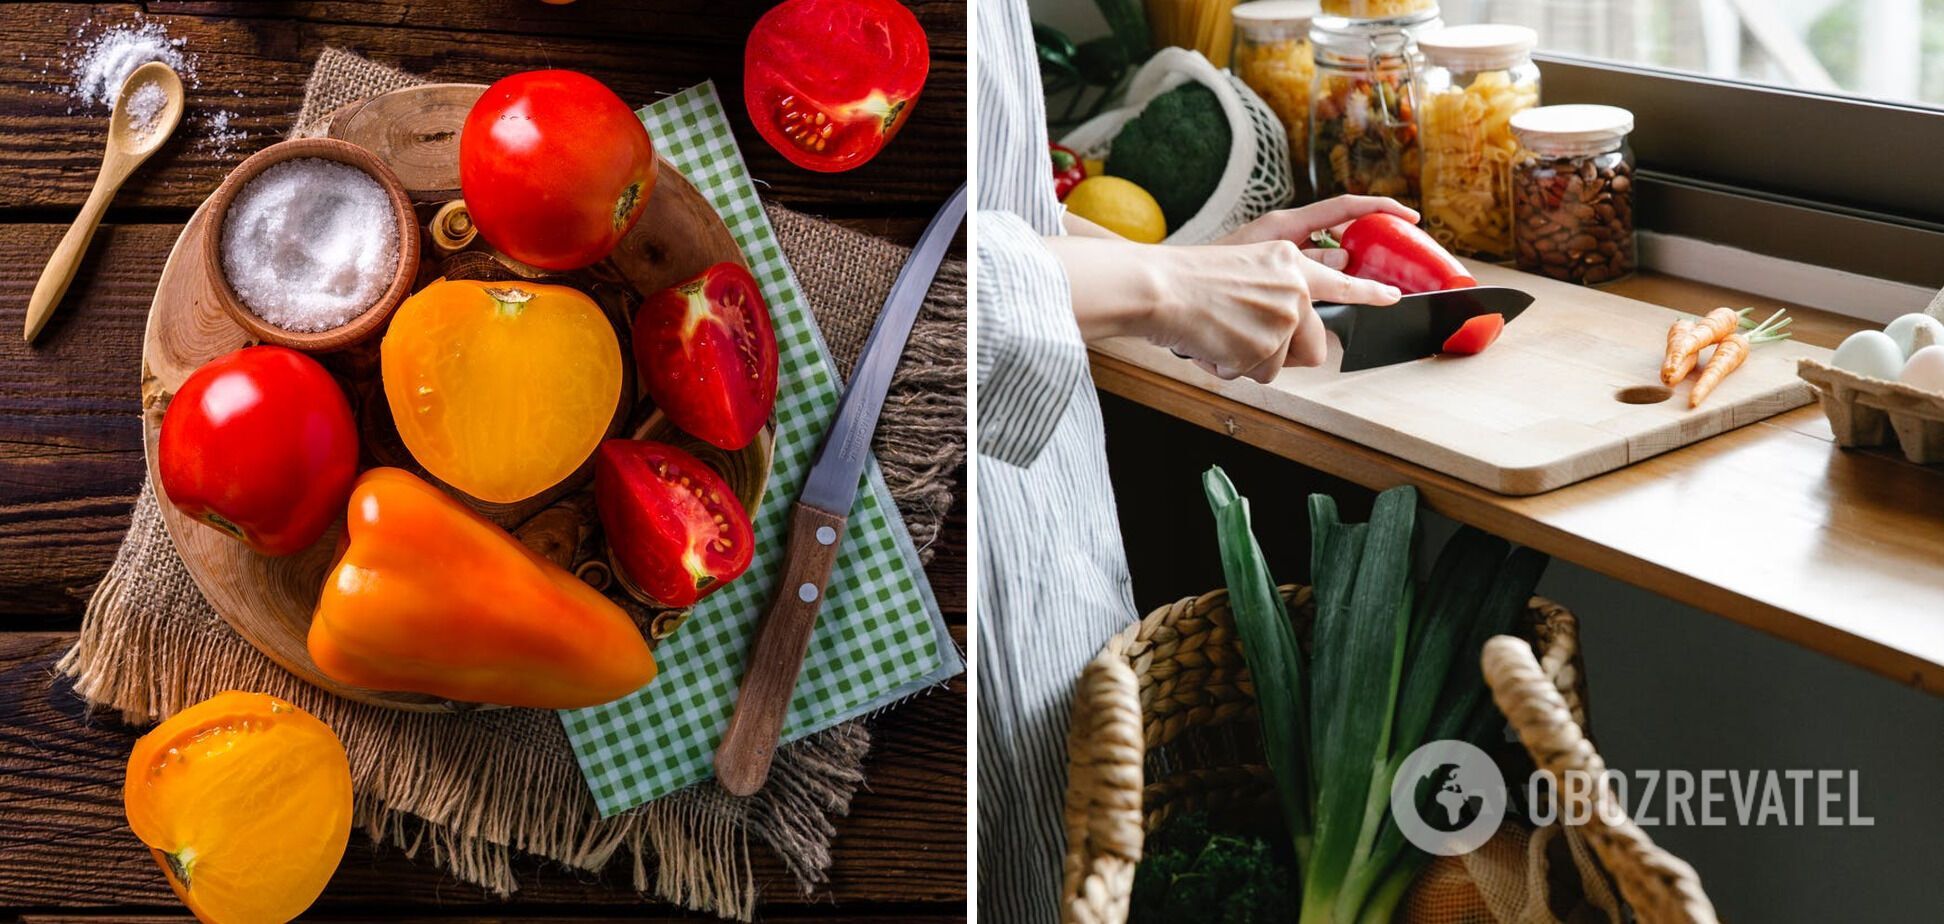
pixel 311 244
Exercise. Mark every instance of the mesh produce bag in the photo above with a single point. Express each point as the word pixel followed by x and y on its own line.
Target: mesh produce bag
pixel 1258 178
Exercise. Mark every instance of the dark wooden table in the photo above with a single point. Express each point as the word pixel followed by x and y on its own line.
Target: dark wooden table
pixel 71 451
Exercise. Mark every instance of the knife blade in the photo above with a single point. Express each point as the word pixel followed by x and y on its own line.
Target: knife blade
pixel 742 759
pixel 1414 326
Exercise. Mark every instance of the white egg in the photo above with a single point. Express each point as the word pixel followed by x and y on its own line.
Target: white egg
pixel 1925 370
pixel 1871 353
pixel 1913 332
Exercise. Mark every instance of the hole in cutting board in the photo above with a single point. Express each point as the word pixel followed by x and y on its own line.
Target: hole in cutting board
pixel 1643 394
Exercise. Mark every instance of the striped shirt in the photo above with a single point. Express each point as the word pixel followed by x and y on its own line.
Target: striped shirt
pixel 1053 581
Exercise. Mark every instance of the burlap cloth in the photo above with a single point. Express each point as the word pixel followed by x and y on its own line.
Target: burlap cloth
pixel 468 790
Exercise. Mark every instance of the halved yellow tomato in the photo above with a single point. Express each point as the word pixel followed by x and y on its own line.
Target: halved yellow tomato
pixel 245 800
pixel 501 389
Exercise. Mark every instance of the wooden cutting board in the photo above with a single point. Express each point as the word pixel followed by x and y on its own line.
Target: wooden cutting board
pixel 1571 390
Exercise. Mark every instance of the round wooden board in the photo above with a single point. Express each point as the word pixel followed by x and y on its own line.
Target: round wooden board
pixel 269 600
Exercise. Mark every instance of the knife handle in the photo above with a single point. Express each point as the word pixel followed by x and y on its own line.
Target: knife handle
pixel 1340 320
pixel 742 760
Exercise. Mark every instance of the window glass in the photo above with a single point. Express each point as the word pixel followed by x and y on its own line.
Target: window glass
pixel 1890 50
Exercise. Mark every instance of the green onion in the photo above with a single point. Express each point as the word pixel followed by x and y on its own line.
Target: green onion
pixel 1389 669
pixel 1269 646
pixel 1367 636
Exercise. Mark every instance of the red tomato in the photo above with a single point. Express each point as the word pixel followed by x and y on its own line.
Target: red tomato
pixel 1475 334
pixel 828 82
pixel 260 444
pixel 674 526
pixel 555 168
pixel 1390 250
pixel 706 354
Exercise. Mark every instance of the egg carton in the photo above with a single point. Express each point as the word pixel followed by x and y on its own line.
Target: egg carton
pixel 1866 411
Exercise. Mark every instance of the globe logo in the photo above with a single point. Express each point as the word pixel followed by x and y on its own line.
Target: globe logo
pixel 1448 798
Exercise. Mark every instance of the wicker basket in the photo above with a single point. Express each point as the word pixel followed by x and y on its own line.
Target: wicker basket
pixel 1170 697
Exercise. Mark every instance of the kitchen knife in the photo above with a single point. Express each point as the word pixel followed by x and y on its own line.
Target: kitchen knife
pixel 1415 326
pixel 817 522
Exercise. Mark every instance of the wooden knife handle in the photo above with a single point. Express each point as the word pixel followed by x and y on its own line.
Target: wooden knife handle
pixel 742 760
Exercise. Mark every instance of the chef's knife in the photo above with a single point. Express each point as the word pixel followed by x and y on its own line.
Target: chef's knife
pixel 1415 326
pixel 817 521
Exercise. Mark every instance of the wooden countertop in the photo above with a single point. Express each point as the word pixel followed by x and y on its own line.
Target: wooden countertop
pixel 1770 525
pixel 71 439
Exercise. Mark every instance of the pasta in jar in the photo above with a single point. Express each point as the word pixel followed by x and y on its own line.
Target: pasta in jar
pixel 1363 107
pixel 1364 136
pixel 1376 9
pixel 1479 77
pixel 1280 71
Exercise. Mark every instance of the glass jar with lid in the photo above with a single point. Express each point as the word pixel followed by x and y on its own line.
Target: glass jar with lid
pixel 1476 78
pixel 1572 193
pixel 1363 106
pixel 1272 56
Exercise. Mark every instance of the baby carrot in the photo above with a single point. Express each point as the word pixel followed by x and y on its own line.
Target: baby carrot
pixel 1684 346
pixel 1732 351
pixel 1728 356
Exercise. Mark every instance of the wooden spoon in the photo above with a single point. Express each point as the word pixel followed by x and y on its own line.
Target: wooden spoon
pixel 127 149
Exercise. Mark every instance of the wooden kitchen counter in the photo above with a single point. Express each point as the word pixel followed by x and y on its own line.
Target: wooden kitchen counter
pixel 1771 525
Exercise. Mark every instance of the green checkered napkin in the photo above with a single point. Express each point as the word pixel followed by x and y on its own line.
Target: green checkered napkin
pixel 880 637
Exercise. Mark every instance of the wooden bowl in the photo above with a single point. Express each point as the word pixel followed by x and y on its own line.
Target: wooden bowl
pixel 358 328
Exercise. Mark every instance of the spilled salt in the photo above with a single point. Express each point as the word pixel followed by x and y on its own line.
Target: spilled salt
pixel 309 244
pixel 145 107
pixel 107 60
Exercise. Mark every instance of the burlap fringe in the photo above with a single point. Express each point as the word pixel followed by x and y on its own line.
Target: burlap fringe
pixel 447 797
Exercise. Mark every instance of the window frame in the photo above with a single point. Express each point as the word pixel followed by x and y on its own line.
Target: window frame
pixel 1773 170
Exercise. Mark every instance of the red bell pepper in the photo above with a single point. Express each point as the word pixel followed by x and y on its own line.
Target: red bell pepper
pixel 1475 335
pixel 1068 170
pixel 1388 249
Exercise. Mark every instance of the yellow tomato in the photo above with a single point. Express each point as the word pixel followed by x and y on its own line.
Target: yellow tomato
pixel 1120 207
pixel 501 389
pixel 245 801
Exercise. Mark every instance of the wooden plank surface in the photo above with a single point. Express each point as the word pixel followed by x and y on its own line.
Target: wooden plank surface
pixel 252 60
pixel 1571 390
pixel 60 813
pixel 70 445
pixel 1770 525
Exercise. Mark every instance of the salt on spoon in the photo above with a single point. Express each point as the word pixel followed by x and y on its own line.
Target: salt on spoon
pixel 133 135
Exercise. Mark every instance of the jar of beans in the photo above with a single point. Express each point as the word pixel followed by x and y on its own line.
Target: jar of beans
pixel 1272 56
pixel 1572 193
pixel 1476 79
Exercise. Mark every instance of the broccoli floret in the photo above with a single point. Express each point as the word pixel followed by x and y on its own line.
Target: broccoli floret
pixel 1190 875
pixel 1176 149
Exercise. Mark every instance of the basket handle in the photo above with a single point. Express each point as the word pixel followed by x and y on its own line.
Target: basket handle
pixel 1105 749
pixel 1660 886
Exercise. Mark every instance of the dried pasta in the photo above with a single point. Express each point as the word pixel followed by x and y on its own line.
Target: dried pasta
pixel 1365 132
pixel 1206 26
pixel 1468 151
pixel 1376 9
pixel 1280 72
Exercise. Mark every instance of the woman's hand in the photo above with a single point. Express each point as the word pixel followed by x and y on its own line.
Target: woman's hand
pixel 1239 307
pixel 1246 310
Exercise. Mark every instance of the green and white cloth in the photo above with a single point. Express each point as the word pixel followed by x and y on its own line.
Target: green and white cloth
pixel 880 638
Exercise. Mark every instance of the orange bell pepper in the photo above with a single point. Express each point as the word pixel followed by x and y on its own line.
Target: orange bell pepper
pixel 428 596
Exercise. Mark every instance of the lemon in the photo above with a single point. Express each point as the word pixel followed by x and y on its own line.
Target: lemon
pixel 1094 167
pixel 1120 207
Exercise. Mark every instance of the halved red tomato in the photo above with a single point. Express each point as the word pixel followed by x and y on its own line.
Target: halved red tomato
pixel 706 353
pixel 828 82
pixel 674 525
